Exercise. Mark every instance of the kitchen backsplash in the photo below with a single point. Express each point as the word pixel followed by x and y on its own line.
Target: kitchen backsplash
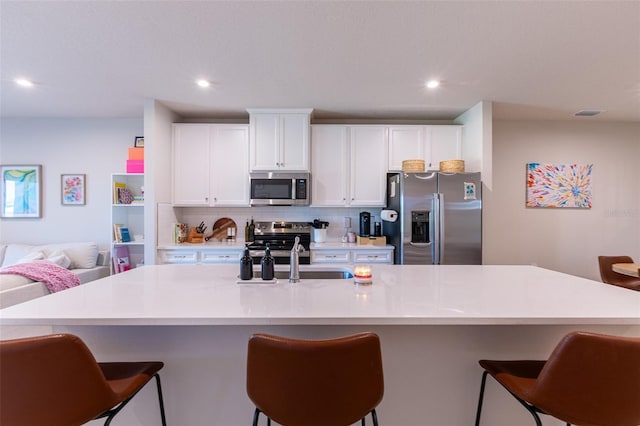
pixel 192 216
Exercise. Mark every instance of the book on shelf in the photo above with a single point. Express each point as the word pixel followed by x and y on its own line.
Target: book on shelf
pixel 121 261
pixel 117 186
pixel 117 232
pixel 125 236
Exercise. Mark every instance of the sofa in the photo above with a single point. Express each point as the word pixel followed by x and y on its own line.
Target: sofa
pixel 84 259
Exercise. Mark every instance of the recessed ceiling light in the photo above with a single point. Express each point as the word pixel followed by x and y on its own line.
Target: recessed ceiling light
pixel 23 82
pixel 203 83
pixel 588 112
pixel 432 84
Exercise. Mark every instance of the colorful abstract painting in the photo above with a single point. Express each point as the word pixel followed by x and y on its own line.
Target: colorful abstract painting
pixel 559 185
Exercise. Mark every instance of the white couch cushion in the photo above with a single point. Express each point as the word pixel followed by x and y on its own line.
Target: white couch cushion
pixel 15 252
pixel 32 256
pixel 81 255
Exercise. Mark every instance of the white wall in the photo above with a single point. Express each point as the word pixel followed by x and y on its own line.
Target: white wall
pixel 95 147
pixel 567 240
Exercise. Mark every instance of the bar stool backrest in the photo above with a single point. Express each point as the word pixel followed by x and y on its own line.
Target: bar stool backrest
pixel 315 382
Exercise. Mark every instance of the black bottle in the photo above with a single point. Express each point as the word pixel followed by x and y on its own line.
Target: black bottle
pixel 267 265
pixel 246 232
pixel 252 231
pixel 246 266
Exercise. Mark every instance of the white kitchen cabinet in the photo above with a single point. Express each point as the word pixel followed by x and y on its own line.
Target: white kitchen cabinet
pixel 335 254
pixel 330 256
pixel 373 256
pixel 178 256
pixel 229 167
pixel 279 140
pixel 329 165
pixel 191 164
pixel 200 255
pixel 210 166
pixel 221 256
pixel 348 166
pixel 433 143
pixel 368 178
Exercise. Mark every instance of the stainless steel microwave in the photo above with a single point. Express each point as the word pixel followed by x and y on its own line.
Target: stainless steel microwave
pixel 280 189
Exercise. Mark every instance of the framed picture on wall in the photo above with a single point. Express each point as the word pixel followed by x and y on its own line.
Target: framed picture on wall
pixel 21 191
pixel 139 142
pixel 73 189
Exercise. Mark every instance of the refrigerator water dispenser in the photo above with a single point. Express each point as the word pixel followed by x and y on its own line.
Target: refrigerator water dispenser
pixel 420 226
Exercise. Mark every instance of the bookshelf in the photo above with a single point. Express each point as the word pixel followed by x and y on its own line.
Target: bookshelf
pixel 127 212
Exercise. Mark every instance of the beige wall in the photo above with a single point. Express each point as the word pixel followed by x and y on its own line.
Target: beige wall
pixel 566 240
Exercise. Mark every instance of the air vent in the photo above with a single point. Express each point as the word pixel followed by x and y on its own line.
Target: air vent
pixel 588 112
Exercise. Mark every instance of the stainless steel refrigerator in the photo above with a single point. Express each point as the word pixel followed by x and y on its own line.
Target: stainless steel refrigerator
pixel 439 218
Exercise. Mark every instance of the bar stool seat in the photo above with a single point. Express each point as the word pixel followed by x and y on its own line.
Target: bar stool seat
pixel 589 379
pixel 333 382
pixel 54 380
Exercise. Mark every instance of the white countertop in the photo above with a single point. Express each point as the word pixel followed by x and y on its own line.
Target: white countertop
pixel 400 294
pixel 219 245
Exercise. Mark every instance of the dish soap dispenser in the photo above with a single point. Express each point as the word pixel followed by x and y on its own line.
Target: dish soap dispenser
pixel 267 265
pixel 246 265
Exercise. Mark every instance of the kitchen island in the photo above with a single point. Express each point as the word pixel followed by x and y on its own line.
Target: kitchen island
pixel 434 322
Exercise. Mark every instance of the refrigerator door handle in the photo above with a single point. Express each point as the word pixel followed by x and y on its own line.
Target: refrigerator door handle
pixel 433 230
pixel 440 229
pixel 419 244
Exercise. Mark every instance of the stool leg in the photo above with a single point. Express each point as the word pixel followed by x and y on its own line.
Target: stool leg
pixel 374 416
pixel 256 414
pixel 160 401
pixel 482 385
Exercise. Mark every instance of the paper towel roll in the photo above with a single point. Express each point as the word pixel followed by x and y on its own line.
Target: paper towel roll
pixel 389 215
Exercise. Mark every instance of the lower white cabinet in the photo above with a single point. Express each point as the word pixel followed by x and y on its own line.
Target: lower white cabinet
pixel 203 255
pixel 178 256
pixel 351 255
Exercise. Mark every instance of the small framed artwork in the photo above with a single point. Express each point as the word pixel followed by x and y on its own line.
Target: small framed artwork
pixel 21 191
pixel 139 142
pixel 73 189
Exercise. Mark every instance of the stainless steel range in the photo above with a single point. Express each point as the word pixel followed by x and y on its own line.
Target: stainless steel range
pixel 280 236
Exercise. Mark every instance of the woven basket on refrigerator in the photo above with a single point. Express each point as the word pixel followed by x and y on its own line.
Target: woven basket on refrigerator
pixel 452 166
pixel 413 166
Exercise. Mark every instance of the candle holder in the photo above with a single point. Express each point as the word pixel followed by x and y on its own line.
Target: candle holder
pixel 362 274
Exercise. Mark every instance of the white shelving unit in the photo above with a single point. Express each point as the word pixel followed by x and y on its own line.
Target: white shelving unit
pixel 130 216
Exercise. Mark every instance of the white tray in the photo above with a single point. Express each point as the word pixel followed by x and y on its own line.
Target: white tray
pixel 256 281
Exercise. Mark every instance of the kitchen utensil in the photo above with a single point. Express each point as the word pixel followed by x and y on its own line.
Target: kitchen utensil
pixel 219 230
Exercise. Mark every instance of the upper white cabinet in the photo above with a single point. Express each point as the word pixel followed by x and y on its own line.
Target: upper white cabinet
pixel 429 143
pixel 348 166
pixel 210 166
pixel 279 139
pixel 191 164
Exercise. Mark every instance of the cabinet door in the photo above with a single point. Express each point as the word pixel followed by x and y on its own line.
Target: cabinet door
pixel 405 143
pixel 191 164
pixel 294 137
pixel 445 143
pixel 368 161
pixel 264 141
pixel 229 165
pixel 373 256
pixel 330 256
pixel 329 174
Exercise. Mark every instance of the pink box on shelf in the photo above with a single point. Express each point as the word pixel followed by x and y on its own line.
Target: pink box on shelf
pixel 135 166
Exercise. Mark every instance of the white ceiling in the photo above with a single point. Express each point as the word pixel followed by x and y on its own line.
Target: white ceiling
pixel 346 59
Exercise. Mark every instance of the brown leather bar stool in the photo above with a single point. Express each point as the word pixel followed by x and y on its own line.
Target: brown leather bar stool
pixel 589 379
pixel 333 382
pixel 609 276
pixel 54 380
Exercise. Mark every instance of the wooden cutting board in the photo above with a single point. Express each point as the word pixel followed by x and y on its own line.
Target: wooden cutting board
pixel 220 227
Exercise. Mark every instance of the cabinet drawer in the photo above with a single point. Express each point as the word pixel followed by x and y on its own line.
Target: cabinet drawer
pixel 373 256
pixel 327 256
pixel 218 256
pixel 179 256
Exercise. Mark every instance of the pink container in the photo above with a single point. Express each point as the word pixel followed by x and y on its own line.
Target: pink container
pixel 135 166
